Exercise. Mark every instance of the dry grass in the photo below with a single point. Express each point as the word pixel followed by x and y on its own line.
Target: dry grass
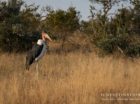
pixel 68 79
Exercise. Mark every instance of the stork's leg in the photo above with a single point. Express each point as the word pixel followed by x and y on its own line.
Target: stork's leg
pixel 37 66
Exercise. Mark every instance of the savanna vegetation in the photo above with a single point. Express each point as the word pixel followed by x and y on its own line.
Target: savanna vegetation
pixel 74 78
pixel 72 72
pixel 21 24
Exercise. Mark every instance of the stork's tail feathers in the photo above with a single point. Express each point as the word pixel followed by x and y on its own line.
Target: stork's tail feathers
pixel 29 61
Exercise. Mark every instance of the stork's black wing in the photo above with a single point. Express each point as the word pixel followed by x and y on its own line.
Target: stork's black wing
pixel 32 54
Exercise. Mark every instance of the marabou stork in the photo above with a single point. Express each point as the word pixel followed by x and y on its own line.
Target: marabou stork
pixel 38 50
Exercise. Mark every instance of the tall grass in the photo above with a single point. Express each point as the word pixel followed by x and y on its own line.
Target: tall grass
pixel 68 79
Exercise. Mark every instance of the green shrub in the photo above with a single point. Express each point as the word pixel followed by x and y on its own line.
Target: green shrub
pixel 133 50
pixel 110 44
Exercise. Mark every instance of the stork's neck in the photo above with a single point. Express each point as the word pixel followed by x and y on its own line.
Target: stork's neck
pixel 43 37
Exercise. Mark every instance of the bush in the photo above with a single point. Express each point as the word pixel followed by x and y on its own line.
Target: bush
pixel 122 44
pixel 110 44
pixel 133 50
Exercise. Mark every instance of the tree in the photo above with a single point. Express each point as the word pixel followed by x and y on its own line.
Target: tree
pixel 136 16
pixel 62 23
pixel 17 27
pixel 103 14
pixel 9 17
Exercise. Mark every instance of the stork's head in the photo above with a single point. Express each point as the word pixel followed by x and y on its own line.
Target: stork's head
pixel 45 36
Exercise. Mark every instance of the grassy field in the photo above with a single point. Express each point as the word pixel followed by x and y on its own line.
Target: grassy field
pixel 74 78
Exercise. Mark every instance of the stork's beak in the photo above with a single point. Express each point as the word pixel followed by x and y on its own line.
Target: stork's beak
pixel 46 36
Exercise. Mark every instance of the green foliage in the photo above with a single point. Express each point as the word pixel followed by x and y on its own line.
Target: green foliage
pixel 133 50
pixel 117 33
pixel 17 27
pixel 112 44
pixel 20 27
pixel 59 23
